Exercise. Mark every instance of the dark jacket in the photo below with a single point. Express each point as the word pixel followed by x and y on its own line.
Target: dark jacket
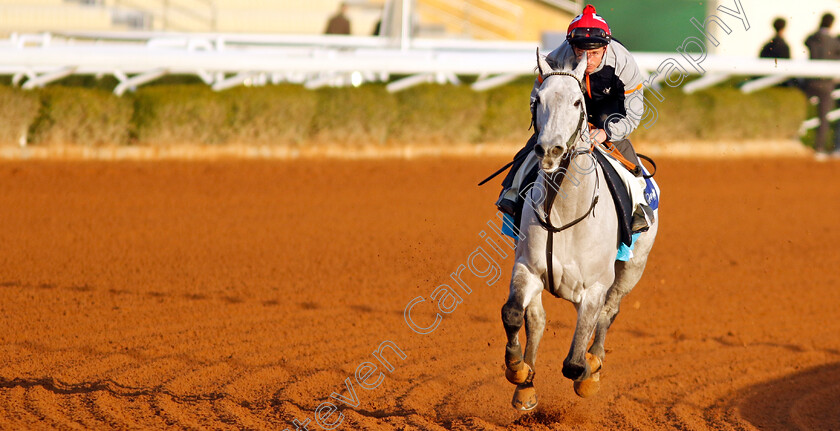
pixel 776 48
pixel 338 24
pixel 823 46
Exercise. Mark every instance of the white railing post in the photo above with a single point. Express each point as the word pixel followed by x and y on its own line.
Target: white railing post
pixel 405 25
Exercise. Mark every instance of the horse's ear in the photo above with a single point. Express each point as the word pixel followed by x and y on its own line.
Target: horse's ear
pixel 569 64
pixel 542 64
pixel 581 67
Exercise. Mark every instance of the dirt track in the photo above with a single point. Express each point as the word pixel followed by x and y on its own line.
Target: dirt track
pixel 225 295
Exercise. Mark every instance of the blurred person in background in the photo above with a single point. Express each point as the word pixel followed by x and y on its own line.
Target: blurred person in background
pixel 338 23
pixel 776 47
pixel 612 85
pixel 823 46
pixel 836 152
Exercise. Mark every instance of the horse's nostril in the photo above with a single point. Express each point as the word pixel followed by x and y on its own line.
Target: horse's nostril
pixel 539 151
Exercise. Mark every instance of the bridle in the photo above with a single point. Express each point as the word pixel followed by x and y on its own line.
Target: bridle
pixel 551 192
pixel 551 189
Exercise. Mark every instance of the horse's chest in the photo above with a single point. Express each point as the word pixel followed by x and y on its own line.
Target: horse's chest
pixel 576 269
pixel 570 286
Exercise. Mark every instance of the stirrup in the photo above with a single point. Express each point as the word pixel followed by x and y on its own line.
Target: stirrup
pixel 643 218
pixel 506 206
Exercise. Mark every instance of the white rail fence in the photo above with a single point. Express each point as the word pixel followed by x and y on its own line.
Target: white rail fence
pixel 228 60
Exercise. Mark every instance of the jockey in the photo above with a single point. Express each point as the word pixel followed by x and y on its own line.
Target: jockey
pixel 613 99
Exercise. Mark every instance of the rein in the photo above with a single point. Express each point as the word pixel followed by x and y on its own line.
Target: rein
pixel 551 190
pixel 540 79
pixel 551 196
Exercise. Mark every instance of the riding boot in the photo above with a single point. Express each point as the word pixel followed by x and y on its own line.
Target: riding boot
pixel 509 201
pixel 643 217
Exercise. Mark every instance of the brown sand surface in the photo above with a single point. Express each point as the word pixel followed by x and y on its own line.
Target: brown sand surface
pixel 241 295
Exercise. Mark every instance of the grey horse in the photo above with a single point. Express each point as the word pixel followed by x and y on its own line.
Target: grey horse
pixel 568 240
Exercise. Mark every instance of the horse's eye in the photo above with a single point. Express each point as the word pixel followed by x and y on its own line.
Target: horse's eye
pixel 577 103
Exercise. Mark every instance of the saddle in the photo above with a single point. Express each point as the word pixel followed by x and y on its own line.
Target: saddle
pixel 620 195
pixel 621 198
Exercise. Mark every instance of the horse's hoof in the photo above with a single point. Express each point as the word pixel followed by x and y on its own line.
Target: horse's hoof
pixel 580 372
pixel 524 398
pixel 519 373
pixel 589 387
pixel 594 363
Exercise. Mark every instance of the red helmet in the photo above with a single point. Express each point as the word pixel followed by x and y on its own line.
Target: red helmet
pixel 588 30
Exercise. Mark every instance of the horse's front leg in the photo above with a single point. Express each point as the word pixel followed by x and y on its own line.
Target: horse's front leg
pixel 524 286
pixel 576 366
pixel 534 327
pixel 524 295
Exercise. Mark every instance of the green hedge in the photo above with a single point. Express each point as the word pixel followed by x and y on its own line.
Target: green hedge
pixel 166 115
pixel 725 113
pixel 18 109
pixel 507 117
pixel 90 117
pixel 180 114
pixel 278 114
pixel 350 116
pixel 438 114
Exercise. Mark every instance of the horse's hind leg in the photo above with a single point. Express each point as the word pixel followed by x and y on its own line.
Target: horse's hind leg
pixel 624 283
pixel 627 274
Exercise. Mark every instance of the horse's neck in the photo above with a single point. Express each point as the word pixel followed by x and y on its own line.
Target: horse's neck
pixel 576 190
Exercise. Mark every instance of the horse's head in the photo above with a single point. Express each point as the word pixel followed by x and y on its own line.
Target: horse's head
pixel 560 111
